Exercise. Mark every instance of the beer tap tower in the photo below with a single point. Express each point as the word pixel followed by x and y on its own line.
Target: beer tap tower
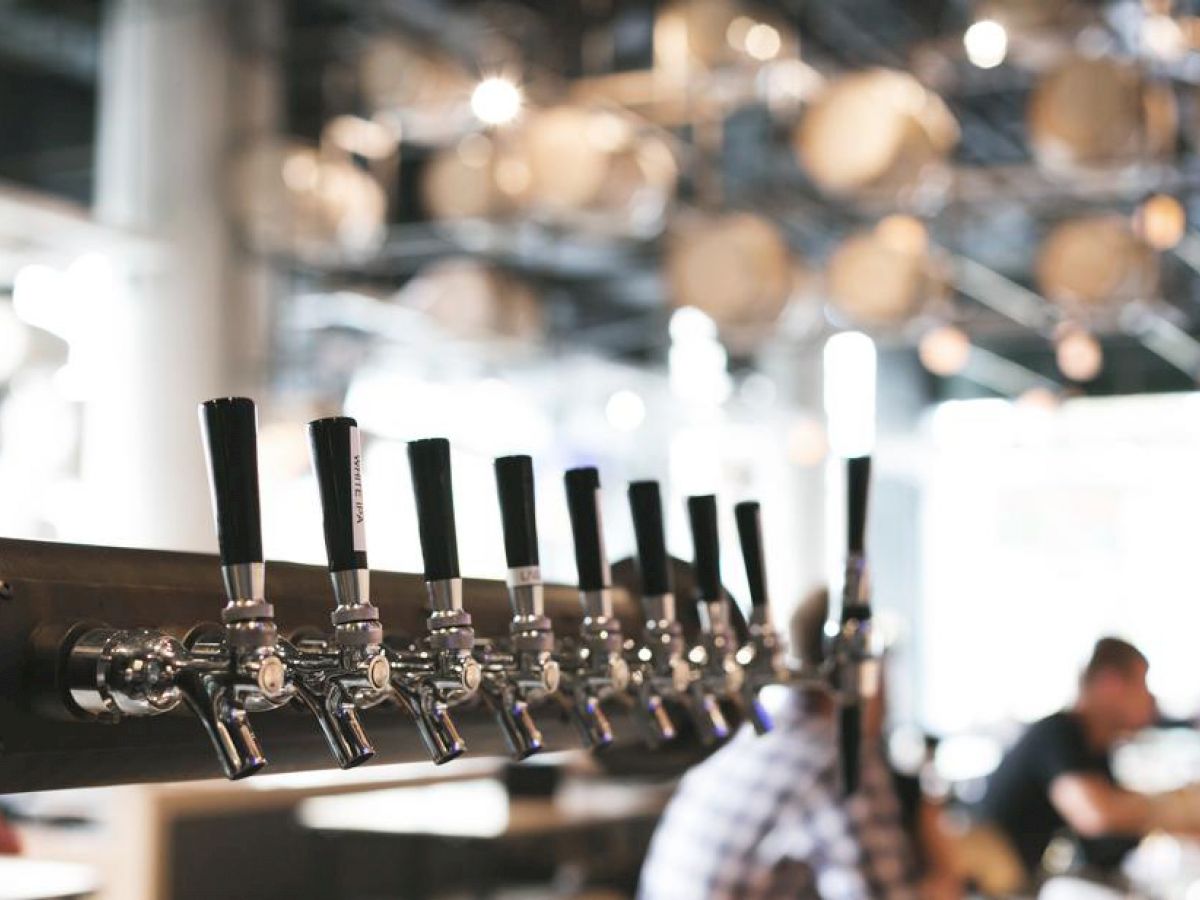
pixel 223 673
pixel 593 667
pixel 438 672
pixel 336 676
pixel 663 669
pixel 720 673
pixel 853 671
pixel 763 655
pixel 520 671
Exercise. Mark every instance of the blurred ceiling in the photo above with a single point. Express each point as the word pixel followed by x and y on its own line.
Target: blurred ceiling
pixel 988 215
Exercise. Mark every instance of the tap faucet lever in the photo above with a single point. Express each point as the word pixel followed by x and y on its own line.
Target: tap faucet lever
pixel 230 430
pixel 530 628
pixel 521 670
pixel 720 673
pixel 852 669
pixel 439 670
pixel 335 677
pixel 244 670
pixel 114 673
pixel 766 663
pixel 597 669
pixel 666 672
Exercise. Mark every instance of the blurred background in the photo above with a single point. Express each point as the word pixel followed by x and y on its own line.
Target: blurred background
pixel 713 242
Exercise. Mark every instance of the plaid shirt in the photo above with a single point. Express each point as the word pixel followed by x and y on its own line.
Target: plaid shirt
pixel 762 819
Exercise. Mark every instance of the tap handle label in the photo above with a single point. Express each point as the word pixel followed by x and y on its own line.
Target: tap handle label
pixel 749 525
pixel 706 543
pixel 587 528
pixel 433 488
pixel 230 430
pixel 524 576
pixel 337 461
pixel 518 515
pixel 645 504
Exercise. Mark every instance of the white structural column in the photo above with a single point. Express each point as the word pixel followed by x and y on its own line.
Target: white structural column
pixel 160 341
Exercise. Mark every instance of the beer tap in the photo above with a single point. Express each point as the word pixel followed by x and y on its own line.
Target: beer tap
pixel 335 677
pixel 664 670
pixel 852 669
pixel 113 673
pixel 719 671
pixel 764 661
pixel 594 668
pixel 521 670
pixel 240 669
pixel 437 672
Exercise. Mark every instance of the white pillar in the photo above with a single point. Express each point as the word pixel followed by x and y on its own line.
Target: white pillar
pixel 169 104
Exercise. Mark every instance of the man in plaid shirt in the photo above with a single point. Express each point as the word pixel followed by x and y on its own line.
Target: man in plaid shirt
pixel 763 816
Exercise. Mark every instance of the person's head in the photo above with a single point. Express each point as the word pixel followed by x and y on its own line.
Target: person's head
pixel 1113 687
pixel 808 628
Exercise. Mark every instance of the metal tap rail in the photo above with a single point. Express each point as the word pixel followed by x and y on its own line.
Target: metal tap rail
pixel 48 588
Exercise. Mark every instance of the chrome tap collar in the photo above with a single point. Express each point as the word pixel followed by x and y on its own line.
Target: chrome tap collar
pixel 714 616
pixel 352 591
pixel 659 607
pixel 527 600
pixel 597 604
pixel 245 582
pixel 445 595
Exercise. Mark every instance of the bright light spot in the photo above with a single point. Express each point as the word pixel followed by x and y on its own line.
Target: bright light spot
pixel 496 101
pixel 758 391
pixel 625 410
pixel 90 273
pixel 697 655
pixel 72 382
pixel 40 299
pixel 966 756
pixel 849 371
pixel 474 151
pixel 513 176
pixel 14 342
pixel 690 324
pixel 1162 36
pixel 735 34
pixel 699 371
pixel 1161 221
pixel 986 43
pixel 1079 355
pixel 607 132
pixel 903 234
pixel 363 137
pixel 945 350
pixel 1041 399
pixel 301 172
pixel 906 749
pixel 763 42
pixel 807 444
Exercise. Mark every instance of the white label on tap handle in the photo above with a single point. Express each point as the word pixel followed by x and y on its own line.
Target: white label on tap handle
pixel 357 515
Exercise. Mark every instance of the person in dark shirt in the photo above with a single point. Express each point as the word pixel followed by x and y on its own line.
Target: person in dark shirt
pixel 1058 777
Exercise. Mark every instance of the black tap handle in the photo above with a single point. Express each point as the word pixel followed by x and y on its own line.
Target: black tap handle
pixel 850 747
pixel 749 525
pixel 429 460
pixel 645 503
pixel 858 482
pixel 518 516
pixel 702 514
pixel 337 460
pixel 230 428
pixel 583 504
